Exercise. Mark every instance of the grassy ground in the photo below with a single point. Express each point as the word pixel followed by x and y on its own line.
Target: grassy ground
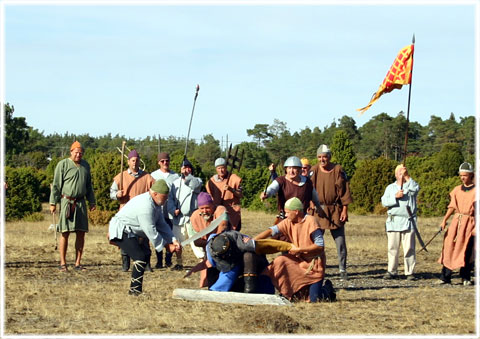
pixel 40 300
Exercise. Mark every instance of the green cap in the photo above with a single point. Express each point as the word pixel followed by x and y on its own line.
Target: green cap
pixel 160 186
pixel 294 204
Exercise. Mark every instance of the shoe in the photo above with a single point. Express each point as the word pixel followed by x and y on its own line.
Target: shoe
pixel 328 287
pixel 411 277
pixel 343 275
pixel 79 268
pixel 250 283
pixel 134 293
pixel 177 267
pixel 159 265
pixel 148 268
pixel 443 282
pixel 389 276
pixel 467 282
pixel 62 268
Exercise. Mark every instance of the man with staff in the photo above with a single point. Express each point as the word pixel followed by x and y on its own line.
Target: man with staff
pixel 459 242
pixel 72 185
pixel 399 197
pixel 126 185
pixel 226 190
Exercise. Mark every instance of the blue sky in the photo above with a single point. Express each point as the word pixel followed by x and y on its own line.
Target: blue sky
pixel 132 69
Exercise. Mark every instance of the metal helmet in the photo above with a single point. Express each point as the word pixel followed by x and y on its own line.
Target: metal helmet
pixel 292 162
pixel 465 167
pixel 323 149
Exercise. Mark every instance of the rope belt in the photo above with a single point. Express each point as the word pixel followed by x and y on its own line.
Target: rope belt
pixel 310 267
pixel 460 215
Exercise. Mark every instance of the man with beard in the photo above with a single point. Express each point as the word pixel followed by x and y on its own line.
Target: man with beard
pixel 331 184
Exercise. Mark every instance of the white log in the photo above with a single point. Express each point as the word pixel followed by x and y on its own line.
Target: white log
pixel 230 297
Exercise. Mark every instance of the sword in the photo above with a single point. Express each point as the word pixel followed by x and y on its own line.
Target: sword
pixel 417 233
pixel 428 242
pixel 214 224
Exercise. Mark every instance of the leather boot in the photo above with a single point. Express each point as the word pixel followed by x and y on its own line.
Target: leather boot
pixel 125 263
pixel 250 283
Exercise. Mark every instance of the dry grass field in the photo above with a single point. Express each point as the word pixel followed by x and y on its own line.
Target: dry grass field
pixel 39 300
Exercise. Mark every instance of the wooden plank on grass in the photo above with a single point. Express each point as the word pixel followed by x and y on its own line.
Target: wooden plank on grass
pixel 230 297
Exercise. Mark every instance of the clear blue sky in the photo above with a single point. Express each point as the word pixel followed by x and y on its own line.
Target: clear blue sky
pixel 132 69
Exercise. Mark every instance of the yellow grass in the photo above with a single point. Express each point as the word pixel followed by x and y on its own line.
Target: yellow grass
pixel 42 301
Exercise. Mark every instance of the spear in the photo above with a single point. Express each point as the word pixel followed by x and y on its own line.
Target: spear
pixel 408 107
pixel 186 142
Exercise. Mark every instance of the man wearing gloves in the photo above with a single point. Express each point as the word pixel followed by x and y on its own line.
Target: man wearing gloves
pixel 142 217
pixel 400 226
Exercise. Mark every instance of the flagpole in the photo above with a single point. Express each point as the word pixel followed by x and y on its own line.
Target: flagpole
pixel 408 106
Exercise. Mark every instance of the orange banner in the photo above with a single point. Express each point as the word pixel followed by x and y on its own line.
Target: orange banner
pixel 398 75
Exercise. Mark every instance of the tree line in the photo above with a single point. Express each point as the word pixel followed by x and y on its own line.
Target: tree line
pixel 368 155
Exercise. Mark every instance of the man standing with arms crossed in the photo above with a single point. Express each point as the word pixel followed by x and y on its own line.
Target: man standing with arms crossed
pixel 72 184
pixel 330 182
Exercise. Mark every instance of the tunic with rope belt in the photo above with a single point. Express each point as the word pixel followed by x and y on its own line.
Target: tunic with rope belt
pixel 290 273
pixel 461 228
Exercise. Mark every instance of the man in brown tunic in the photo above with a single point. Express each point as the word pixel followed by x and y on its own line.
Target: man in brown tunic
pixel 226 190
pixel 458 244
pixel 299 273
pixel 126 185
pixel 330 182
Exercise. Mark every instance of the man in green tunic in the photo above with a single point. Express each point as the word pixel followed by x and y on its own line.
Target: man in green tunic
pixel 72 184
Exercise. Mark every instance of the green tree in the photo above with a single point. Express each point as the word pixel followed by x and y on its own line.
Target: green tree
pixel 104 167
pixel 16 133
pixel 22 196
pixel 449 159
pixel 369 182
pixel 343 153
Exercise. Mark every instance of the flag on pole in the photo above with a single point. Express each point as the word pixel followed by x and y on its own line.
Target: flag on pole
pixel 398 75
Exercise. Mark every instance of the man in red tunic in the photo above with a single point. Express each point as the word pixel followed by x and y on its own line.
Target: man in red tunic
pixel 458 244
pixel 226 190
pixel 299 273
pixel 126 185
pixel 331 184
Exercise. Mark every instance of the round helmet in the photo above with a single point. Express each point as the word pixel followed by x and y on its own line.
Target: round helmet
pixel 465 167
pixel 292 162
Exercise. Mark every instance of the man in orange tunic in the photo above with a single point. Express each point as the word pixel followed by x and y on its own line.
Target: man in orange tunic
pixel 201 219
pixel 299 273
pixel 126 185
pixel 226 190
pixel 458 243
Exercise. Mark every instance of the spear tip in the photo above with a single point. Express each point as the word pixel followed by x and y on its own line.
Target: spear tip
pixel 413 38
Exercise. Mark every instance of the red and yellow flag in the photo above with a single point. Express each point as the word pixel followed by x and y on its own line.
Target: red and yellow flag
pixel 398 75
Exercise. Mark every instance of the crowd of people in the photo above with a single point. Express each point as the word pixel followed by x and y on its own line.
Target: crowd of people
pixel 163 209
